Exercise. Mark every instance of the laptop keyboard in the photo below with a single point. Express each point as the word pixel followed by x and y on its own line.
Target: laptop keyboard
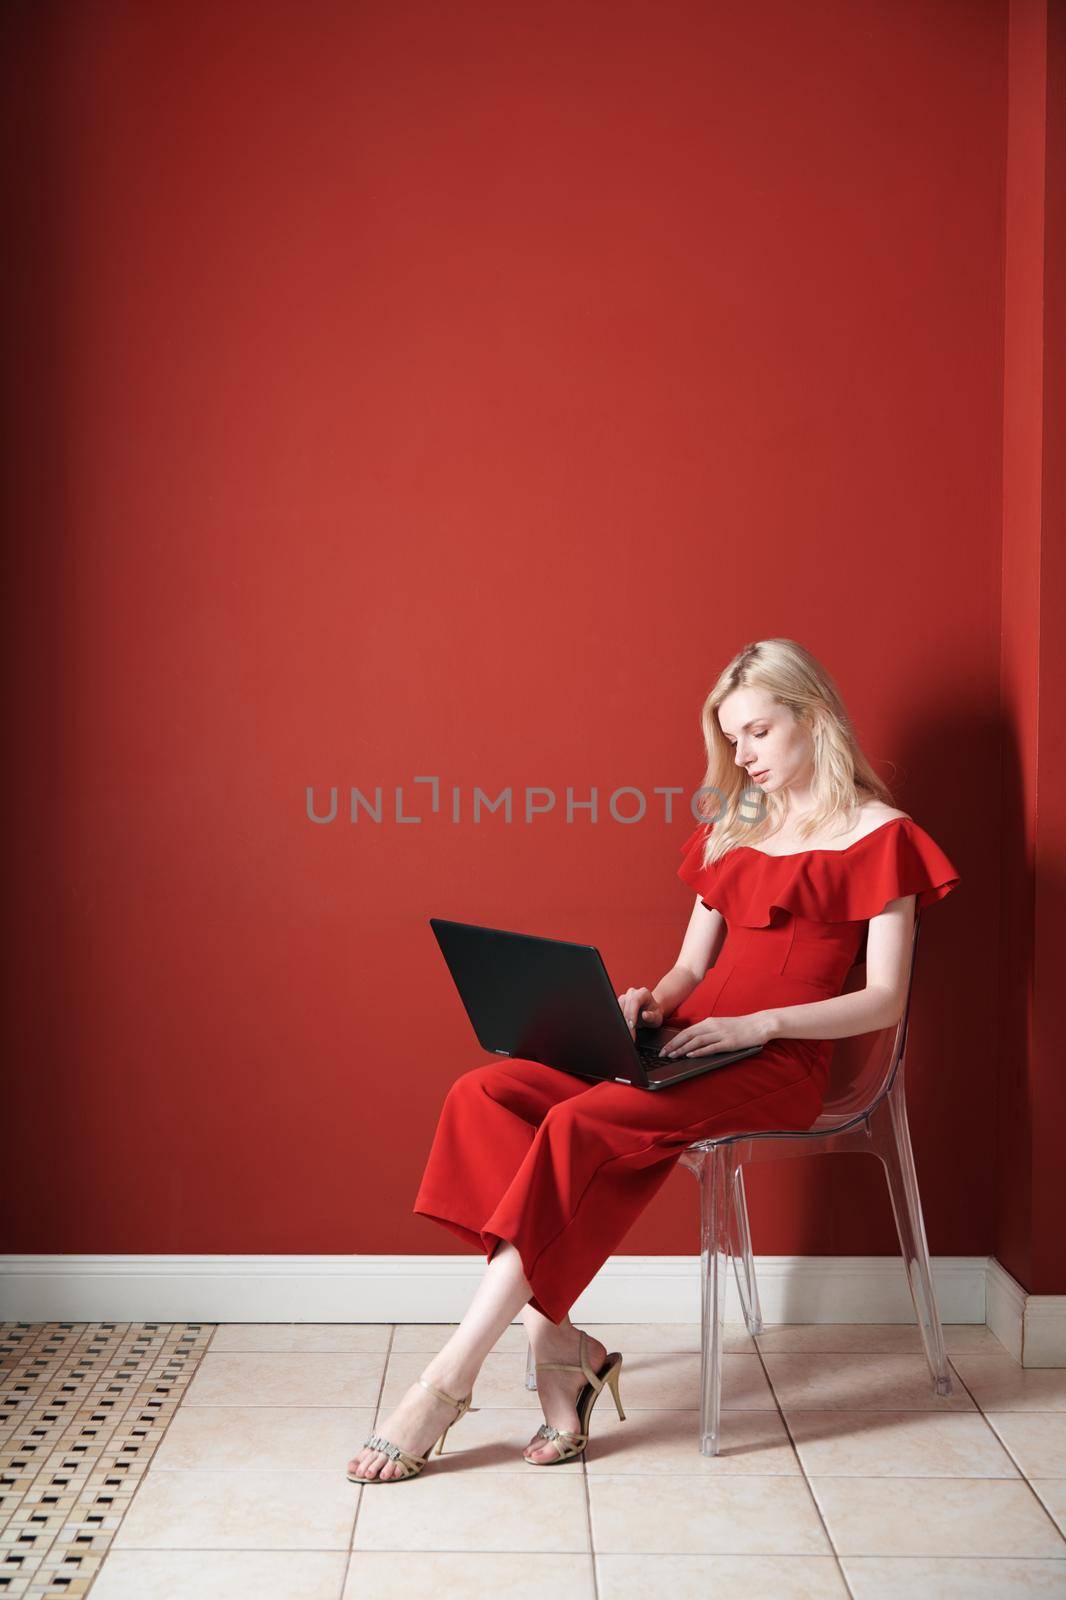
pixel 652 1058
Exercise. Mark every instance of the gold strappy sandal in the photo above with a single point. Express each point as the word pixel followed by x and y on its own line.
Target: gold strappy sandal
pixel 412 1465
pixel 572 1444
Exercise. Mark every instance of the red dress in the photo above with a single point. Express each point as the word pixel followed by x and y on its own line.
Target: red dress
pixel 562 1167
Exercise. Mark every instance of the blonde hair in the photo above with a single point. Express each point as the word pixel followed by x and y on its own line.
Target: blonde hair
pixel 842 778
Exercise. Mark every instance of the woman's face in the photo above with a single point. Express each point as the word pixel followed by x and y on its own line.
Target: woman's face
pixel 770 744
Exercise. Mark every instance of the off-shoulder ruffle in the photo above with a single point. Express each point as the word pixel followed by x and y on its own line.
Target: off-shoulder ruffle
pixel 896 859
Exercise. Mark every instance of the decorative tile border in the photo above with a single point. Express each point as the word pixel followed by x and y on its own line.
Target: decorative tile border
pixel 83 1407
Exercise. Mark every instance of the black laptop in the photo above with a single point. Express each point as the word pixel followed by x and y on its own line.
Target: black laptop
pixel 552 1001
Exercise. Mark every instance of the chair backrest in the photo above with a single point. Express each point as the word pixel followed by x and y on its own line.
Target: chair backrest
pixel 862 1068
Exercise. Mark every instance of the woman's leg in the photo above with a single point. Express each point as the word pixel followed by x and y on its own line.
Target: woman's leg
pixel 486 1126
pixel 560 1168
pixel 420 1418
pixel 610 1150
pixel 598 1158
pixel 549 1172
pixel 557 1391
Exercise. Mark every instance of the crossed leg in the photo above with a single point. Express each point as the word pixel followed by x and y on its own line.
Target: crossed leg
pixel 546 1172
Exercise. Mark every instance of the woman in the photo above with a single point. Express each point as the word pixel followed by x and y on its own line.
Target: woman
pixel 807 868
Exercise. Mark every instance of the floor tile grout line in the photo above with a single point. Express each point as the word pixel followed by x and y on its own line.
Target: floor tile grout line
pixel 865 1411
pixel 789 1555
pixel 695 1475
pixel 373 1427
pixel 1045 1510
pixel 587 1497
pixel 1025 1477
pixel 929 1478
pixel 806 1478
pixel 401 1550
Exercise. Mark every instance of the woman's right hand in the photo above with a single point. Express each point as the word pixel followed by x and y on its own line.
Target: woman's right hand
pixel 639 1006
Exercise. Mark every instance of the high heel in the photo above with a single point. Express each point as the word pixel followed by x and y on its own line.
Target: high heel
pixel 412 1465
pixel 573 1444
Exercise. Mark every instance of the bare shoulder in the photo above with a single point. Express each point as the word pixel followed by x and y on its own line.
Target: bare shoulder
pixel 865 818
pixel 878 811
pixel 874 814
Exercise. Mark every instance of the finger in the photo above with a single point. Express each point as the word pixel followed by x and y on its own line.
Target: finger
pixel 693 1044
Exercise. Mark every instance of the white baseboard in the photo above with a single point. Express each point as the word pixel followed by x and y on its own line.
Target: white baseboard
pixel 377 1288
pixel 1005 1309
pixel 1044 1331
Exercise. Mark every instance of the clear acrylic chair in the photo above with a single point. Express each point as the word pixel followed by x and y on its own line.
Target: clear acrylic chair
pixel 864 1109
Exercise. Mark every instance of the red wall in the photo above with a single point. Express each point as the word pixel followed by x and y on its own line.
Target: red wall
pixel 404 390
pixel 1031 1082
pixel 1048 1263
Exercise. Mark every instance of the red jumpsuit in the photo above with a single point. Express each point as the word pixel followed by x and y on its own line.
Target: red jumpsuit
pixel 562 1167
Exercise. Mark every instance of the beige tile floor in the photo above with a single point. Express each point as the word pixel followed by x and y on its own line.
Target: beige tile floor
pixel 156 1461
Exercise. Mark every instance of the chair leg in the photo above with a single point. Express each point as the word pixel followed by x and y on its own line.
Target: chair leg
pixel 715 1173
pixel 892 1143
pixel 531 1368
pixel 743 1260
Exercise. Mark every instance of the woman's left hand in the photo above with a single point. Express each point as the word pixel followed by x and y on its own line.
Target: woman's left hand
pixel 714 1034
